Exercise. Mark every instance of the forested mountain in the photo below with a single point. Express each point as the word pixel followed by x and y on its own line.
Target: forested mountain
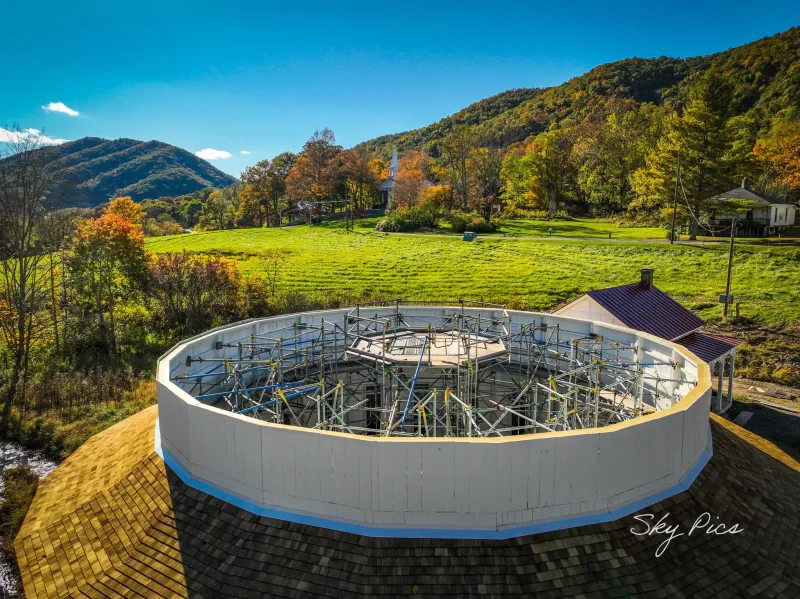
pixel 765 76
pixel 98 169
pixel 476 114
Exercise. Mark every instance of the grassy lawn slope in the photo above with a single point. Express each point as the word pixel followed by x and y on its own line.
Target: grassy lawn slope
pixel 536 274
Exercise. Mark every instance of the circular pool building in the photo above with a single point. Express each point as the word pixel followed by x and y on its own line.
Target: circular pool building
pixel 465 421
pixel 400 450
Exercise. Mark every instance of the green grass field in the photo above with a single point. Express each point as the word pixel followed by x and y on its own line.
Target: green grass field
pixel 577 227
pixel 536 274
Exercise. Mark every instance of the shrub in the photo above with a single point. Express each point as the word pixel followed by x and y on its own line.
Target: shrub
pixel 431 205
pixel 460 222
pixel 511 212
pixel 402 219
pixel 192 292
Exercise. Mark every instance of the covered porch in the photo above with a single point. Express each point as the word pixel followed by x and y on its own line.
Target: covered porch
pixel 719 353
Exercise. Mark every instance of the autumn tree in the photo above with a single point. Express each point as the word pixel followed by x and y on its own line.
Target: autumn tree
pixel 314 175
pixel 410 182
pixel 432 204
pixel 361 171
pixel 407 186
pixel 27 172
pixel 778 152
pixel 540 175
pixel 457 151
pixel 279 170
pixel 610 148
pixel 255 195
pixel 251 210
pixel 126 208
pixel 192 292
pixel 106 267
pixel 264 190
pixel 488 164
pixel 192 212
pixel 219 211
pixel 58 231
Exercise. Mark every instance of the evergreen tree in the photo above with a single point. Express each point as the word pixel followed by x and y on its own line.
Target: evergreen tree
pixel 703 140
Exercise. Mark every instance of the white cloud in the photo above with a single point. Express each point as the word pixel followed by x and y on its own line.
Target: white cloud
pixel 60 107
pixel 212 154
pixel 8 136
pixel 244 152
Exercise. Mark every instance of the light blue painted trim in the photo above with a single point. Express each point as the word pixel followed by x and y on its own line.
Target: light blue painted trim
pixel 438 533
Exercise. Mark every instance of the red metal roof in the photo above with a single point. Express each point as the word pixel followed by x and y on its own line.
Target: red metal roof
pixel 647 309
pixel 708 347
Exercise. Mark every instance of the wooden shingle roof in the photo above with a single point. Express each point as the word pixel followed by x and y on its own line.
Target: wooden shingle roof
pixel 143 533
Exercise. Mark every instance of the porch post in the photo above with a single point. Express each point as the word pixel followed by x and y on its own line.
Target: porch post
pixel 720 378
pixel 730 375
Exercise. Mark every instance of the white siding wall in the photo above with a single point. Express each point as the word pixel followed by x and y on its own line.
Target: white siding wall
pixel 491 484
pixel 586 308
pixel 781 215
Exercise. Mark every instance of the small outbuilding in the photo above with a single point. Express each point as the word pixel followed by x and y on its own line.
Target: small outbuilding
pixel 644 307
pixel 760 214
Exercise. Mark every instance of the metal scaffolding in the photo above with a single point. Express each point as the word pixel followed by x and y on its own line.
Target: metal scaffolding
pixel 457 375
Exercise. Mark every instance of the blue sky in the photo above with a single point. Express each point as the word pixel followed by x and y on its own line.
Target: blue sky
pixel 259 77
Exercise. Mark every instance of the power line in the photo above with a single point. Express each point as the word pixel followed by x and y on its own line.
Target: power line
pixel 691 213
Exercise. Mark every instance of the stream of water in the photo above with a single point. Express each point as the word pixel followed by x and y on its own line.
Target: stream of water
pixel 12 455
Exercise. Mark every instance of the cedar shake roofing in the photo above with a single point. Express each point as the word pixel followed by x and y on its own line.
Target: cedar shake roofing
pixel 96 530
pixel 708 347
pixel 647 309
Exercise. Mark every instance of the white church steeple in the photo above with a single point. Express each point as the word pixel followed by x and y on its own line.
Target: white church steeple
pixel 394 167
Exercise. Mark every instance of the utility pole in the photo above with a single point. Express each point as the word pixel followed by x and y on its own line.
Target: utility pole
pixel 730 266
pixel 675 201
pixel 348 217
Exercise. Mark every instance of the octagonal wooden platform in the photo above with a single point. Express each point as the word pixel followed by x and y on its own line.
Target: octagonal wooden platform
pixel 114 521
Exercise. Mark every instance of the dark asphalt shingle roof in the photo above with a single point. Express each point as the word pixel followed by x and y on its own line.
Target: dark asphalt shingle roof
pixel 647 309
pixel 708 347
pixel 388 184
pixel 742 193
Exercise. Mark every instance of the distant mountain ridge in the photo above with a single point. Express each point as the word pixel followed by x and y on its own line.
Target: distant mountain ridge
pixel 765 76
pixel 98 169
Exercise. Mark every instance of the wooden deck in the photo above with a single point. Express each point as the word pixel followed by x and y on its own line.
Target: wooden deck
pixel 112 521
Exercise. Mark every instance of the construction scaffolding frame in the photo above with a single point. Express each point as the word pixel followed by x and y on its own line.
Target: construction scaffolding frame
pixel 547 378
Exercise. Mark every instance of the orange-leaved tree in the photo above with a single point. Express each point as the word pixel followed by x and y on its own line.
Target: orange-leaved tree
pixel 107 265
pixel 779 152
pixel 127 209
pixel 432 204
pixel 314 174
pixel 361 171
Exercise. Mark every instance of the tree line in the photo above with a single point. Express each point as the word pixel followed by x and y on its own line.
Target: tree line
pixel 621 160
pixel 82 299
